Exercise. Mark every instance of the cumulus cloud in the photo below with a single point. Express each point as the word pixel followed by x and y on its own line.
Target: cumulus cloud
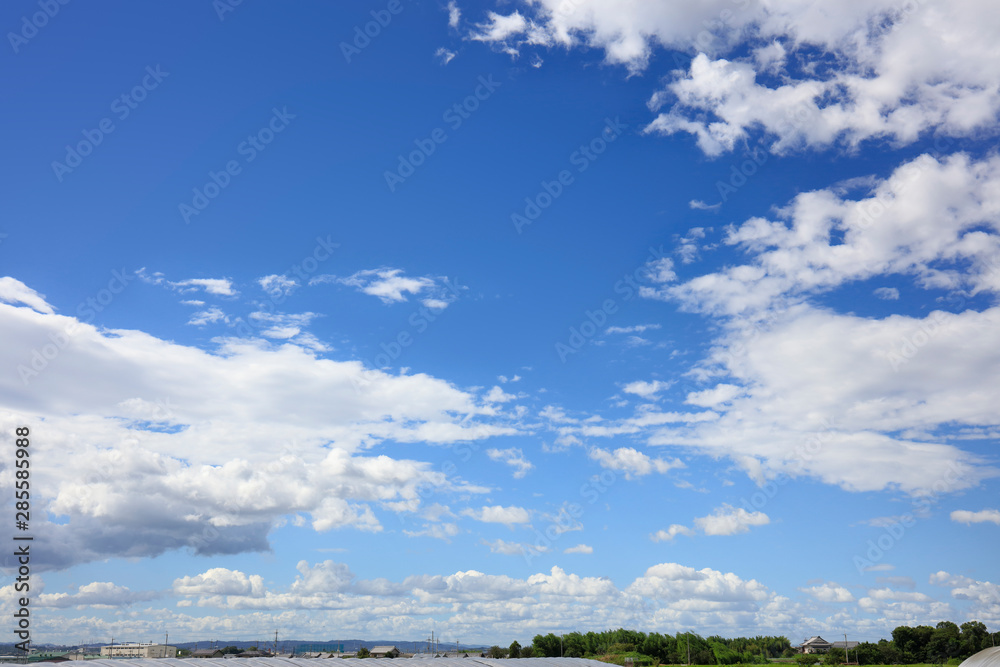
pixel 96 594
pixel 829 592
pixel 454 14
pixel 277 286
pixel 632 462
pixel 215 286
pixel 211 315
pixel 14 291
pixel 176 447
pixel 579 549
pixel 637 328
pixel 513 457
pixel 729 520
pixel 444 56
pixel 439 531
pixel 220 581
pixel 508 516
pixel 646 389
pixel 670 533
pixel 514 548
pixel 928 66
pixel 391 286
pixel 930 221
pixel 982 516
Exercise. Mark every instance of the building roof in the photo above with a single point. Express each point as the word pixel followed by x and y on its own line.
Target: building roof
pixel 815 640
pixel 383 649
pixel 988 657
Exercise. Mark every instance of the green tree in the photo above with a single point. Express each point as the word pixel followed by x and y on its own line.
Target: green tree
pixel 974 638
pixel 574 645
pixel 363 652
pixel 528 652
pixel 495 652
pixel 546 646
pixel 515 650
pixel 944 642
pixel 834 656
pixel 806 659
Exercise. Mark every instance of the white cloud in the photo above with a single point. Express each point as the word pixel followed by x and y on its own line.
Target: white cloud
pixel 729 520
pixel 454 14
pixel 670 533
pixel 387 284
pixel 216 286
pixel 513 457
pixel 508 516
pixel 928 66
pixel 660 270
pixel 671 581
pixel 439 531
pixel 983 596
pixel 829 592
pixel 499 27
pixel 982 516
pixel 931 221
pixel 632 462
pixel 514 548
pixel 14 291
pixel 220 581
pixel 211 315
pixel 497 395
pixel 887 293
pixel 444 56
pixel 699 205
pixel 241 438
pixel 646 389
pixel 391 286
pixel 579 549
pixel 277 286
pixel 96 594
pixel 638 328
pixel 717 395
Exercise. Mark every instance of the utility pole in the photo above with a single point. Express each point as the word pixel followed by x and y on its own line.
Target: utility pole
pixel 689 647
pixel 847 651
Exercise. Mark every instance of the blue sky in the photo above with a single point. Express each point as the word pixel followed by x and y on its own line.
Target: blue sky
pixel 502 319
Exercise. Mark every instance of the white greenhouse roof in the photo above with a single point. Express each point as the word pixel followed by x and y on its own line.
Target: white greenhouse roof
pixel 988 657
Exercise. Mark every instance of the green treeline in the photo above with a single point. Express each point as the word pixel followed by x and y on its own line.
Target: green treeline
pixel 909 645
pixel 654 648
